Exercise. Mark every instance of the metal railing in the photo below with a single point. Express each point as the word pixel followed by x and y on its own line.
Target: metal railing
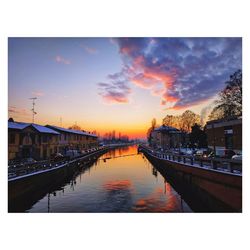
pixel 220 164
pixel 28 168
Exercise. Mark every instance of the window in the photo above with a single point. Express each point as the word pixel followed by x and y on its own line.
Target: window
pixel 12 139
pixel 45 138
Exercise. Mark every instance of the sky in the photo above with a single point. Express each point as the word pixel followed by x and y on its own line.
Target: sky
pixel 121 84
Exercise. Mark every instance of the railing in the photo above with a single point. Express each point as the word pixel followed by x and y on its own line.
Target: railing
pixel 28 168
pixel 220 164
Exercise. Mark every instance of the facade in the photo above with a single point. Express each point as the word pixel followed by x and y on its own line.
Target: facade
pixel 166 137
pixel 28 140
pixel 74 139
pixel 225 134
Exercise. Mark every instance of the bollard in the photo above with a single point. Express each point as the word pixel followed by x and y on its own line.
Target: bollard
pixel 214 164
pixel 184 159
pixel 231 169
pixel 201 163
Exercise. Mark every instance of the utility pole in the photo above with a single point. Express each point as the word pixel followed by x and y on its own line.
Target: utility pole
pixel 33 108
pixel 60 121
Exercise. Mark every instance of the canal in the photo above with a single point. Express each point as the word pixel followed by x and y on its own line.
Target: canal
pixel 121 180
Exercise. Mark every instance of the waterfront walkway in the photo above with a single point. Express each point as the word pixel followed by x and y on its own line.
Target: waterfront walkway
pixel 213 164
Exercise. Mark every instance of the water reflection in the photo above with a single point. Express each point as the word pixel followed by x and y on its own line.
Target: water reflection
pixel 124 182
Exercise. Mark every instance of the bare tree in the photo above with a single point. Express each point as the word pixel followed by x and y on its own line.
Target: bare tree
pixel 75 127
pixel 230 99
pixel 188 119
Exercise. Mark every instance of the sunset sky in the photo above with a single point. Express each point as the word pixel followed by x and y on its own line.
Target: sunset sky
pixel 120 84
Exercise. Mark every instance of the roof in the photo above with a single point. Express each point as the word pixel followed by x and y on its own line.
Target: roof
pixel 223 122
pixel 232 118
pixel 72 131
pixel 23 125
pixel 164 128
pixel 17 125
pixel 43 129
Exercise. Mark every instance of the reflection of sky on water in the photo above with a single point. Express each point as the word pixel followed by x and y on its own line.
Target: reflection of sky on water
pixel 117 184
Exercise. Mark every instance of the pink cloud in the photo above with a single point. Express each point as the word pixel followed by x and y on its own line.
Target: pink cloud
pixel 60 59
pixel 115 98
pixel 90 50
pixel 37 93
pixel 13 110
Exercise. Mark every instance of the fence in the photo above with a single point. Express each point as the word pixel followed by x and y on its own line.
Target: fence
pixel 28 168
pixel 227 165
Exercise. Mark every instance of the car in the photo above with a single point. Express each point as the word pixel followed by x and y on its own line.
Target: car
pixel 202 153
pixel 189 152
pixel 72 153
pixel 28 160
pixel 57 157
pixel 237 157
pixel 222 153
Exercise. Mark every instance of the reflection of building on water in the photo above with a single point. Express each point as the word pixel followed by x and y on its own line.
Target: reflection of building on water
pixel 48 202
pixel 168 192
pixel 154 172
pixel 73 184
pixel 137 192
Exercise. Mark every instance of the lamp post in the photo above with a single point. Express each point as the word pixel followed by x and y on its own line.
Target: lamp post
pixel 213 138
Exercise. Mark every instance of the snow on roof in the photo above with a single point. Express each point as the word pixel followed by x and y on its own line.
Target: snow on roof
pixel 39 128
pixel 43 129
pixel 17 125
pixel 72 131
pixel 166 128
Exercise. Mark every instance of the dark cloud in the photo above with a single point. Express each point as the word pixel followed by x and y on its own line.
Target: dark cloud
pixel 114 92
pixel 190 70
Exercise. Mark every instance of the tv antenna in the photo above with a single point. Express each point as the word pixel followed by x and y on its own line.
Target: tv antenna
pixel 33 108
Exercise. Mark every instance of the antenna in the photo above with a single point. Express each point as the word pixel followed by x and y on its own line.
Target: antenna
pixel 33 108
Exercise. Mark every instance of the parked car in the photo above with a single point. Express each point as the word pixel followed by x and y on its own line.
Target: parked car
pixel 202 153
pixel 222 153
pixel 57 157
pixel 237 157
pixel 72 153
pixel 189 152
pixel 28 160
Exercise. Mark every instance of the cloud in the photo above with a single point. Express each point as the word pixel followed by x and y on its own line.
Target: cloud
pixel 89 50
pixel 60 59
pixel 189 71
pixel 37 93
pixel 116 90
pixel 13 110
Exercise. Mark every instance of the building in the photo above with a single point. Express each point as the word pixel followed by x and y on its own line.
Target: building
pixel 225 134
pixel 166 137
pixel 74 139
pixel 28 140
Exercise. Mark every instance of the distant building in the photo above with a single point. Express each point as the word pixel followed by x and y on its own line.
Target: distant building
pixel 166 137
pixel 28 140
pixel 225 134
pixel 74 139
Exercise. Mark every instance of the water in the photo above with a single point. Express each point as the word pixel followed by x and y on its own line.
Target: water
pixel 120 181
